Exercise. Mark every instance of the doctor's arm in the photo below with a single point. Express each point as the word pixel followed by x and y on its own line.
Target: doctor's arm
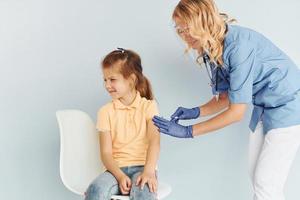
pixel 234 113
pixel 242 59
pixel 214 106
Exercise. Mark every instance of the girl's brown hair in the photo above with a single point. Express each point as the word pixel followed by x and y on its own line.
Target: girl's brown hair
pixel 205 23
pixel 130 63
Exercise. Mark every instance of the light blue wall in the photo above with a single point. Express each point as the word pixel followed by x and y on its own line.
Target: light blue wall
pixel 49 60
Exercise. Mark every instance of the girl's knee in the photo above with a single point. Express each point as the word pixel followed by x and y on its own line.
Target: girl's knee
pixel 96 192
pixel 141 194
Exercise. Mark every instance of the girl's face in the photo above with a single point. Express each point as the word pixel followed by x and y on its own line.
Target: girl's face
pixel 116 85
pixel 183 31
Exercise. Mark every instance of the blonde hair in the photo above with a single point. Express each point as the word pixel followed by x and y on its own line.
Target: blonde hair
pixel 130 64
pixel 205 24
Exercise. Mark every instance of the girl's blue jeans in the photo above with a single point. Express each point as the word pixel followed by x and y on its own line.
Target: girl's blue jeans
pixel 106 185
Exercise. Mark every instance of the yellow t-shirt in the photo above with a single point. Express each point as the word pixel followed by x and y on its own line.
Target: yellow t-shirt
pixel 128 127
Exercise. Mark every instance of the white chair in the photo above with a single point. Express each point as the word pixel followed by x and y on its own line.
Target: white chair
pixel 80 160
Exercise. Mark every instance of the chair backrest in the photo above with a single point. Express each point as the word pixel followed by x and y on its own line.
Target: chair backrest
pixel 80 160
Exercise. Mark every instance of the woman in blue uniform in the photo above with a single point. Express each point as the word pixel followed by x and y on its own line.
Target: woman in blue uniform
pixel 245 67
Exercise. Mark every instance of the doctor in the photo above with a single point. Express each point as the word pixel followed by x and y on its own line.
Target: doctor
pixel 244 68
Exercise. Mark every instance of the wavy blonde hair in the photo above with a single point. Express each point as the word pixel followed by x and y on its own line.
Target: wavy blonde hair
pixel 205 24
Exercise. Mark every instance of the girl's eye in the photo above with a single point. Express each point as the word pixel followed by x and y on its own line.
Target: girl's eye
pixel 111 79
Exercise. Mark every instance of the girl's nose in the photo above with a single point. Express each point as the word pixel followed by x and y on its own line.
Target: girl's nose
pixel 107 84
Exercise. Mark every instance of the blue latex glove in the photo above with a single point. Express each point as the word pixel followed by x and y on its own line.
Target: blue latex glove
pixel 172 128
pixel 186 113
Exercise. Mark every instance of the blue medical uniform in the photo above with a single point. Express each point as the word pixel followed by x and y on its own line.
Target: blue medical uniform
pixel 258 72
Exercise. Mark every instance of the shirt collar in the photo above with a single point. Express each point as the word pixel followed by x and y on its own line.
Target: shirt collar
pixel 119 105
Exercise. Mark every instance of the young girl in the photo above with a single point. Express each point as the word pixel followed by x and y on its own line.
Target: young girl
pixel 129 142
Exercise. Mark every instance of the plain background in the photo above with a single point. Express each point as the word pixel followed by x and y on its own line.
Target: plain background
pixel 49 58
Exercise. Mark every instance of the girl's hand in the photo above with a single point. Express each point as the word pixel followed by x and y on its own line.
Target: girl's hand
pixel 124 184
pixel 147 177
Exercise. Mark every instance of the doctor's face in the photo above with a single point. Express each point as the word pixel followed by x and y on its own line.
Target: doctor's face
pixel 183 31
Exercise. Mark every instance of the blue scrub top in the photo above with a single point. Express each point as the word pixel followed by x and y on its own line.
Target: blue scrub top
pixel 258 72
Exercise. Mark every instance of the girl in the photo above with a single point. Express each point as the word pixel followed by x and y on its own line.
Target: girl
pixel 245 68
pixel 129 142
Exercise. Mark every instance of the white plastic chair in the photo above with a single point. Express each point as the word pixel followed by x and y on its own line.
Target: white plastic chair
pixel 80 161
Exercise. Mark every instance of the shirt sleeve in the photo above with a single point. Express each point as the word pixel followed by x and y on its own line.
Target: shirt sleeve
pixel 152 110
pixel 241 66
pixel 103 122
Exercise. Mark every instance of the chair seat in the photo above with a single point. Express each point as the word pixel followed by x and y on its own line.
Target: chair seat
pixel 163 191
pixel 119 197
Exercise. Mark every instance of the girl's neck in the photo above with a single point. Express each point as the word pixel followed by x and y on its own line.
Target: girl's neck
pixel 128 98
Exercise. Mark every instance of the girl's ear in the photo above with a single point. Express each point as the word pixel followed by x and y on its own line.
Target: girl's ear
pixel 133 80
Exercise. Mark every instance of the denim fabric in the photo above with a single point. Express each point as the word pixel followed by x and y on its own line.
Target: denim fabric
pixel 106 185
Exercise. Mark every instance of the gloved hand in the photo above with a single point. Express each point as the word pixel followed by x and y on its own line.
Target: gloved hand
pixel 186 113
pixel 172 128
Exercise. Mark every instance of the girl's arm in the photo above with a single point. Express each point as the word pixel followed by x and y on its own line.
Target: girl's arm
pixel 149 176
pixel 234 113
pixel 111 165
pixel 153 148
pixel 214 106
pixel 106 155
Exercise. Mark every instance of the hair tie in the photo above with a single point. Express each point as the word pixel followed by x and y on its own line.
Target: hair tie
pixel 121 49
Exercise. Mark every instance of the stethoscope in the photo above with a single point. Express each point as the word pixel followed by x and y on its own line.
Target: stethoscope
pixel 210 67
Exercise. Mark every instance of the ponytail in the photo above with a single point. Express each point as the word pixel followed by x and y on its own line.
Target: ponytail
pixel 144 87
